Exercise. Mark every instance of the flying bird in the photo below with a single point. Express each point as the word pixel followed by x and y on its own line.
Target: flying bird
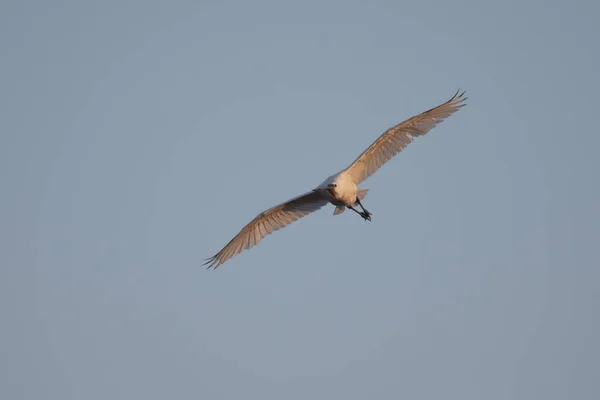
pixel 340 189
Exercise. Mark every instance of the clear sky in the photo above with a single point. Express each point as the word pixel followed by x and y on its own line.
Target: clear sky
pixel 137 137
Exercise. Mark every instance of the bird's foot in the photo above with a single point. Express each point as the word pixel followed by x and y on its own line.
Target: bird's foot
pixel 366 215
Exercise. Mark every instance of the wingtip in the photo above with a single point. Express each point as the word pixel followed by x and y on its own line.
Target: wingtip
pixel 459 94
pixel 212 262
pixel 459 98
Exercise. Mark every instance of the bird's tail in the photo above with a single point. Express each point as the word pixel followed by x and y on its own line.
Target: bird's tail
pixel 361 193
pixel 339 210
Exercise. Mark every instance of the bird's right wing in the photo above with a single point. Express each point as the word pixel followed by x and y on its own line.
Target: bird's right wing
pixel 395 139
pixel 266 223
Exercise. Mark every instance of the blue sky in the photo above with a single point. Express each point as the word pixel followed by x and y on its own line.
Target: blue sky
pixel 138 137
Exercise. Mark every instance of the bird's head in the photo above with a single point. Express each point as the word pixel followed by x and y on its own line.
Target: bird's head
pixel 331 187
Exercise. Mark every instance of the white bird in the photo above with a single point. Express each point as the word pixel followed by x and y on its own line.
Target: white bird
pixel 340 189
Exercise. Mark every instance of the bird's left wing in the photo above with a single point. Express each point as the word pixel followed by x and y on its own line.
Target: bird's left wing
pixel 266 223
pixel 395 139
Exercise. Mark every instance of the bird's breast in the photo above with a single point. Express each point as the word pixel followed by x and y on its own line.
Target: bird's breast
pixel 345 190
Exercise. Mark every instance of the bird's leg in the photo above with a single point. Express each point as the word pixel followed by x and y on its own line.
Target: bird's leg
pixel 364 209
pixel 366 217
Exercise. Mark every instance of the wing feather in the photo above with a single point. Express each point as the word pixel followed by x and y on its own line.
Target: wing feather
pixel 395 139
pixel 268 222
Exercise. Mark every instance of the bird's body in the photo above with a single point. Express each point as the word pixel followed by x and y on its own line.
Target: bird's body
pixel 340 189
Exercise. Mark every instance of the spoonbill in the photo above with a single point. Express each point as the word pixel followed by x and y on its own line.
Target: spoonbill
pixel 340 189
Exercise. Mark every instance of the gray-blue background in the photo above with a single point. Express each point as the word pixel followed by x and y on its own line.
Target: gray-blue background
pixel 137 137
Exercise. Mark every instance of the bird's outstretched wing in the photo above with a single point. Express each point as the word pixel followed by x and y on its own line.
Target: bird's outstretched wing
pixel 398 137
pixel 267 222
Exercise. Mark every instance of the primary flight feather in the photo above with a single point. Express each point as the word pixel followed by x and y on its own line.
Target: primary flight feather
pixel 340 189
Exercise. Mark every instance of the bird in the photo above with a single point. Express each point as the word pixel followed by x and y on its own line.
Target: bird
pixel 340 189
